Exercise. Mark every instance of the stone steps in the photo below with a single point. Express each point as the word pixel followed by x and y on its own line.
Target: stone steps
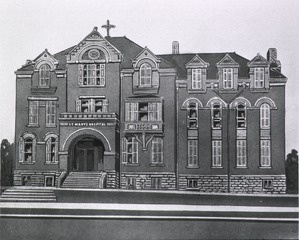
pixel 93 180
pixel 28 195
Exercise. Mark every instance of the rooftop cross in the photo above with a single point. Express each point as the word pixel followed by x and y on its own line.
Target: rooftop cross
pixel 108 26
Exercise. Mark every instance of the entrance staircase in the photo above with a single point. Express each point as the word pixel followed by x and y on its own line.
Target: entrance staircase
pixel 93 180
pixel 28 194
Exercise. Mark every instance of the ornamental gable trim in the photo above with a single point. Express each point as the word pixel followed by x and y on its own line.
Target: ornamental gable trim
pixel 197 62
pixel 227 61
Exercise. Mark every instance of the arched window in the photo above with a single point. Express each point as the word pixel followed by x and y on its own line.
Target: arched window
pixel 44 75
pixel 241 115
pixel 52 150
pixel 192 115
pixel 27 149
pixel 216 116
pixel 265 116
pixel 145 75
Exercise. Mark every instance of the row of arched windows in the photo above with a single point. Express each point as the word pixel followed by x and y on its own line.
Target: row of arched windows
pixel 28 145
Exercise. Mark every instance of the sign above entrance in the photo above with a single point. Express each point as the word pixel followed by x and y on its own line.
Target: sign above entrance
pixel 85 124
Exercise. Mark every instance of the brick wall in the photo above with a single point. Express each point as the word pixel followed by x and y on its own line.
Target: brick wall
pixel 112 179
pixel 37 177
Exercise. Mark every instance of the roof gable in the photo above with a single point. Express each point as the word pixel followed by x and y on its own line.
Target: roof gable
pixel 196 61
pixel 258 61
pixel 45 58
pixel 227 61
pixel 146 54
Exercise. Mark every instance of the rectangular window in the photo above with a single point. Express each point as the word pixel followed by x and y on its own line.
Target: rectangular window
pixel 130 150
pixel 265 116
pixel 50 113
pixel 196 78
pixel 227 78
pixel 265 153
pixel 192 115
pixel 241 153
pixel 216 153
pixel 259 77
pixel 33 112
pixel 131 183
pixel 267 184
pixel 92 75
pixel 216 116
pixel 93 105
pixel 192 153
pixel 49 181
pixel 192 183
pixel 157 150
pixel 156 183
pixel 52 150
pixel 241 116
pixel 144 111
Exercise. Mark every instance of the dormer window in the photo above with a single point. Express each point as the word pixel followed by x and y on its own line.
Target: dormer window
pixel 44 75
pixel 259 77
pixel 196 78
pixel 145 75
pixel 227 78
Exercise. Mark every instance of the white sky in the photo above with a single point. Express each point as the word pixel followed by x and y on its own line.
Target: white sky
pixel 247 27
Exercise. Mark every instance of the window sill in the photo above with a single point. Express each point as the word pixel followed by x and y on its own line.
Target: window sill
pixel 92 86
pixel 51 163
pixel 217 167
pixel 33 125
pixel 265 167
pixel 157 165
pixel 192 167
pixel 27 163
pixel 51 126
pixel 241 167
pixel 131 164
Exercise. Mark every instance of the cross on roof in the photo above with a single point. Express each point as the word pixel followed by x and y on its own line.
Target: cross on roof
pixel 108 26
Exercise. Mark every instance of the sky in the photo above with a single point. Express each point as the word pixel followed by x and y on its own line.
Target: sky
pixel 246 27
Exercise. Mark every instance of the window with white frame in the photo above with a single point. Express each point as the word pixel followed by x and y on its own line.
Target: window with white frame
pixel 143 111
pixel 192 153
pixel 92 75
pixel 131 183
pixel 241 116
pixel 192 117
pixel 216 115
pixel 259 77
pixel 51 113
pixel 265 116
pixel 241 153
pixel 33 112
pixel 192 183
pixel 27 149
pixel 228 78
pixel 156 183
pixel 44 75
pixel 157 150
pixel 216 153
pixel 52 150
pixel 196 79
pixel 265 153
pixel 145 75
pixel 94 105
pixel 130 150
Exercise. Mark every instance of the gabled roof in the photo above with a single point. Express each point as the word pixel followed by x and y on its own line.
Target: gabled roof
pixel 180 60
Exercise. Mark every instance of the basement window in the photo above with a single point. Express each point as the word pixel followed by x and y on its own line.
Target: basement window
pixel 267 184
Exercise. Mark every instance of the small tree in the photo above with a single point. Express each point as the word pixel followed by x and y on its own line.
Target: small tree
pixel 7 163
pixel 292 172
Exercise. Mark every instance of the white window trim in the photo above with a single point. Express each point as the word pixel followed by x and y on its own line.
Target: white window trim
pixel 154 111
pixel 216 153
pixel 44 76
pixel 51 109
pixel 95 75
pixel 134 153
pixel 92 103
pixel 196 78
pixel 259 77
pixel 190 118
pixel 33 113
pixel 145 74
pixel 22 150
pixel 49 152
pixel 265 116
pixel 265 158
pixel 192 153
pixel 241 153
pixel 157 156
pixel 241 119
pixel 218 118
pixel 226 80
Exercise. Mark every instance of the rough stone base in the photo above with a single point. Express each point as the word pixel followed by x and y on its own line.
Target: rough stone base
pixel 112 179
pixel 37 177
pixel 256 184
pixel 207 183
pixel 144 180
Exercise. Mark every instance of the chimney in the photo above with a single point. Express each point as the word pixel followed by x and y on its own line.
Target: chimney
pixel 272 55
pixel 175 47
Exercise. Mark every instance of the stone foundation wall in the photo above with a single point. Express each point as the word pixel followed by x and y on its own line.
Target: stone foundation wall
pixel 112 179
pixel 204 183
pixel 256 184
pixel 144 180
pixel 37 178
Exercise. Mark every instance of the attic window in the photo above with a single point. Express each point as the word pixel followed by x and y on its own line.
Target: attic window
pixel 227 78
pixel 145 75
pixel 44 75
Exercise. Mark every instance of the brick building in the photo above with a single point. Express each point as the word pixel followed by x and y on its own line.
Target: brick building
pixel 107 113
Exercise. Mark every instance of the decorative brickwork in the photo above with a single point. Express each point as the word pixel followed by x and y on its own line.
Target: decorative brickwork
pixel 258 184
pixel 204 183
pixel 144 180
pixel 112 179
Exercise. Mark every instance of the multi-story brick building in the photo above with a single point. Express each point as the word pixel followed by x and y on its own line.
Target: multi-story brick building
pixel 108 113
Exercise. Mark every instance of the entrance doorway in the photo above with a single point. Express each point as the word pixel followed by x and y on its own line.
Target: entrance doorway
pixel 88 155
